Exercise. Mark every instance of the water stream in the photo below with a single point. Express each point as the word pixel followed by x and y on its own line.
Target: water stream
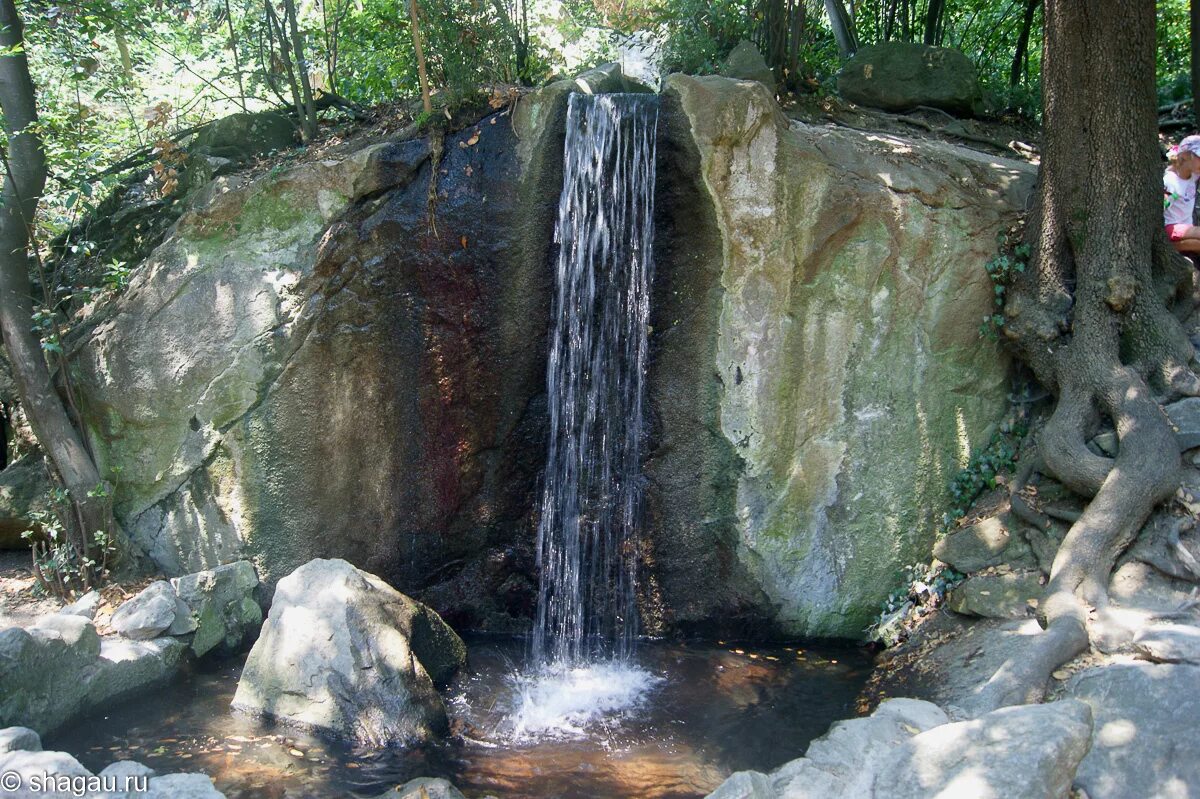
pixel 715 709
pixel 594 380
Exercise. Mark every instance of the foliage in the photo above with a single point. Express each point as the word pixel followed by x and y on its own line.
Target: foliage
pixel 63 565
pixel 1003 269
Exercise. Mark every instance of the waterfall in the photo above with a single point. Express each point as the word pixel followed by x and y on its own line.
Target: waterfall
pixel 591 500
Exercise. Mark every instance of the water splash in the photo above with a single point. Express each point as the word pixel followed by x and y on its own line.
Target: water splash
pixel 571 702
pixel 591 500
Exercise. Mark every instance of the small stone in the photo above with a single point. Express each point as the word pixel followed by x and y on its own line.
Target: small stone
pixel 19 739
pixel 1185 418
pixel 1106 443
pixel 148 614
pixel 996 596
pixel 85 606
pixel 1169 643
pixel 1061 674
pixel 975 547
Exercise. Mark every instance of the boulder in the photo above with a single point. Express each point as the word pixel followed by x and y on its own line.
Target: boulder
pixel 44 774
pixel 608 79
pixel 1014 595
pixel 44 671
pixel 897 76
pixel 842 763
pixel 19 739
pixel 85 606
pixel 1169 643
pixel 61 668
pixel 978 546
pixel 344 653
pixel 322 285
pixel 242 136
pixel 745 62
pixel 816 371
pixel 1144 742
pixel 423 788
pixel 128 667
pixel 220 609
pixel 24 488
pixel 180 786
pixel 1185 418
pixel 1030 751
pixel 147 614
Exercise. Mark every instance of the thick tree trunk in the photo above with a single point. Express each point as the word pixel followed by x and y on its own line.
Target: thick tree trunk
pixel 933 21
pixel 1022 53
pixel 24 181
pixel 843 27
pixel 1089 319
pixel 1195 39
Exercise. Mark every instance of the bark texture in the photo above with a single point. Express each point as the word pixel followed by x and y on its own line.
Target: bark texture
pixel 1092 317
pixel 24 182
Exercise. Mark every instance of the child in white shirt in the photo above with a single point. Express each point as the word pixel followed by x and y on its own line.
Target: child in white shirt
pixel 1179 195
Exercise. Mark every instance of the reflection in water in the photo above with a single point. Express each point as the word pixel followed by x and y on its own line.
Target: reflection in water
pixel 706 712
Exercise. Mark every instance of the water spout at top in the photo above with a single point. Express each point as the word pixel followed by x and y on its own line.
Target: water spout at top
pixel 591 502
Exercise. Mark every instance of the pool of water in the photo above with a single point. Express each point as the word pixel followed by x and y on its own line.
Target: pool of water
pixel 673 726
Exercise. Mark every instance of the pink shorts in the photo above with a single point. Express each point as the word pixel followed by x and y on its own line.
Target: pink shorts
pixel 1178 232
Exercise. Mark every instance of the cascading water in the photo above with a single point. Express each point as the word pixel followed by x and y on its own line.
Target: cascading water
pixel 594 381
pixel 587 615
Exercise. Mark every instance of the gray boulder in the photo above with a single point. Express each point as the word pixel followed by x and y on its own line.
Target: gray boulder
pixel 1030 751
pixel 1185 418
pixel 1145 741
pixel 85 606
pixel 345 653
pixel 19 739
pixel 841 764
pixel 43 774
pixel 423 788
pixel 997 596
pixel 977 546
pixel 148 614
pixel 606 79
pixel 242 136
pixel 218 607
pixel 127 667
pixel 897 76
pixel 180 786
pixel 24 488
pixel 745 62
pixel 44 671
pixel 1168 643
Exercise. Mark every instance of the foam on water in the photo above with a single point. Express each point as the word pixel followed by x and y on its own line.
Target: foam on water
pixel 571 702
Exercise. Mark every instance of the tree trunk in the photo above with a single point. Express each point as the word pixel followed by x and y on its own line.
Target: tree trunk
pixel 308 117
pixel 933 21
pixel 1021 56
pixel 421 75
pixel 843 27
pixel 1089 317
pixel 24 182
pixel 1195 40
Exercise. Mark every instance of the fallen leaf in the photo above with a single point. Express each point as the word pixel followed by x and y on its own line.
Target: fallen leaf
pixel 469 171
pixel 295 753
pixel 471 142
pixel 463 241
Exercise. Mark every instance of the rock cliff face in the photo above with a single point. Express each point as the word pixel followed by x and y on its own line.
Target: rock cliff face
pixel 342 360
pixel 828 365
pixel 345 358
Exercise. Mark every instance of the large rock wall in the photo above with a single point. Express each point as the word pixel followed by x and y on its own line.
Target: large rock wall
pixel 827 359
pixel 332 360
pixel 339 361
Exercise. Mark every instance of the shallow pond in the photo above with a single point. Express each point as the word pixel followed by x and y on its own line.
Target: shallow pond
pixel 675 726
